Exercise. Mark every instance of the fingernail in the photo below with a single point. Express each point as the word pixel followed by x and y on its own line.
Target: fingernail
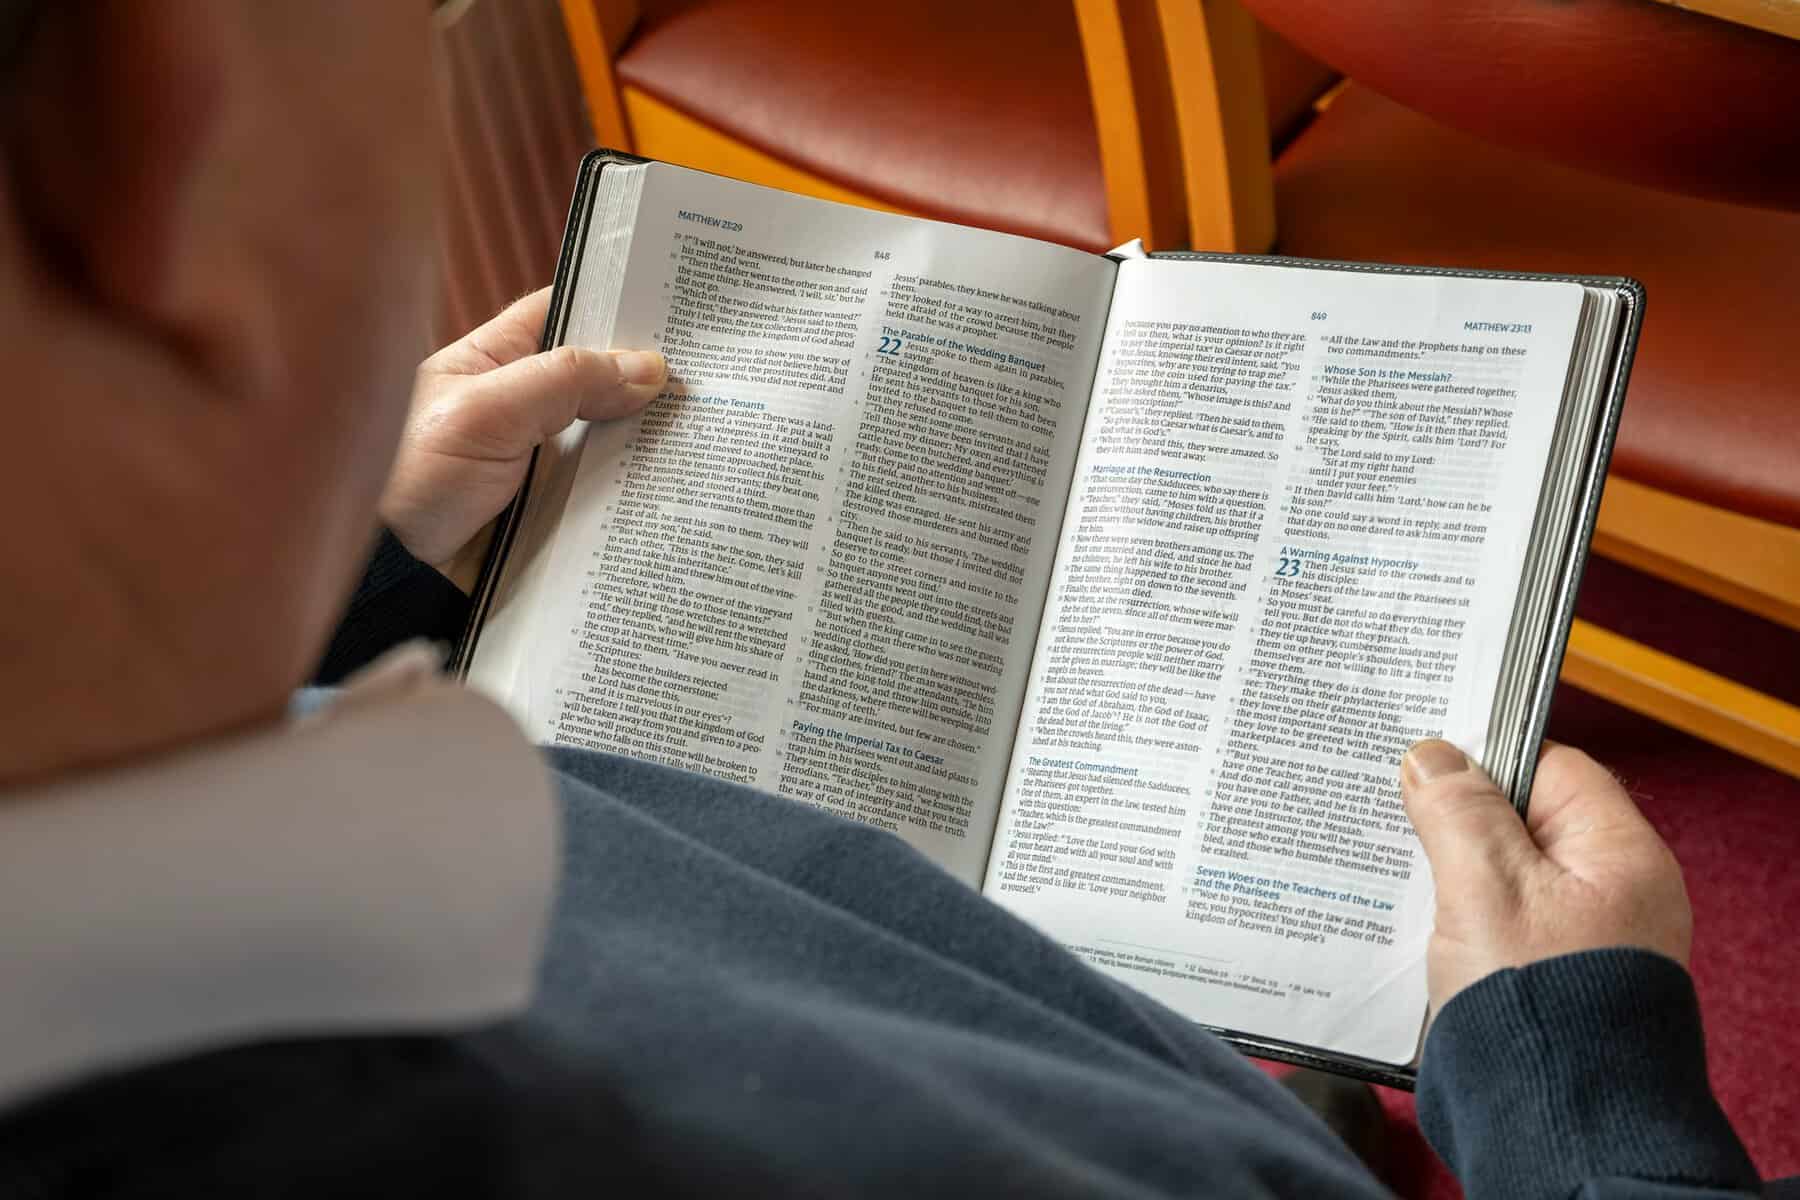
pixel 641 366
pixel 1431 759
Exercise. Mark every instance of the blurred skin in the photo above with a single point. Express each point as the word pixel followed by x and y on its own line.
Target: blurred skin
pixel 215 217
pixel 215 220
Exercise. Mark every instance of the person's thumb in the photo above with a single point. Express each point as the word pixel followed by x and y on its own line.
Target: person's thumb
pixel 1471 833
pixel 514 407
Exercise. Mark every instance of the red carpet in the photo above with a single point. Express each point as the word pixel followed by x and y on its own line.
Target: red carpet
pixel 1735 826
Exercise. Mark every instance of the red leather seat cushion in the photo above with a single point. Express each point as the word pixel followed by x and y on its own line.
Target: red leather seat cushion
pixel 1711 413
pixel 967 111
pixel 1644 92
pixel 1292 80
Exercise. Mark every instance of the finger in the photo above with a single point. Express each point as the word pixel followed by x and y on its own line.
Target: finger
pixel 514 407
pixel 1471 833
pixel 1573 793
pixel 637 376
pixel 515 332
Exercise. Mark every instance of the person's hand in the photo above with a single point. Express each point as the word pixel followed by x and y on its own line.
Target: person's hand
pixel 480 405
pixel 1583 871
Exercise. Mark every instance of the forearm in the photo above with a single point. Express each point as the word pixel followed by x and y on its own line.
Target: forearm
pixel 1583 1075
pixel 398 600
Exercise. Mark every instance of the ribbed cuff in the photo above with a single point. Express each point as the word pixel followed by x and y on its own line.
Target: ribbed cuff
pixel 1585 1067
pixel 399 599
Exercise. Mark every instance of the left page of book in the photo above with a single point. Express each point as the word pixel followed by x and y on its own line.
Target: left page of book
pixel 817 562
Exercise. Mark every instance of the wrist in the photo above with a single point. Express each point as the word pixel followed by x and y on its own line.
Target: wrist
pixel 463 568
pixel 418 533
pixel 1585 1066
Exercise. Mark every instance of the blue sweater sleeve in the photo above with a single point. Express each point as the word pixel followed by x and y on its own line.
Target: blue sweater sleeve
pixel 1581 1076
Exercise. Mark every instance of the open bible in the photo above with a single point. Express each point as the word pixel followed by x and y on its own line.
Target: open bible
pixel 1115 584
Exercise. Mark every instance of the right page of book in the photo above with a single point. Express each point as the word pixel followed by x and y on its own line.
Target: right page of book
pixel 1293 547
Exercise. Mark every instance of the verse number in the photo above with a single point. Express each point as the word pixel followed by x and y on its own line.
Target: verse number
pixel 1288 568
pixel 889 345
pixel 1319 316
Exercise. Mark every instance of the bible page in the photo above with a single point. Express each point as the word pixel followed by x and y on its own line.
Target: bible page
pixel 1293 547
pixel 816 563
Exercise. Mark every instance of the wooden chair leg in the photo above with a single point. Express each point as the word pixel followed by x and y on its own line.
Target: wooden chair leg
pixel 1746 563
pixel 596 29
pixel 1681 695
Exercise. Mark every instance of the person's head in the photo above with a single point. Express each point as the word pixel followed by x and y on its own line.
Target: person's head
pixel 215 220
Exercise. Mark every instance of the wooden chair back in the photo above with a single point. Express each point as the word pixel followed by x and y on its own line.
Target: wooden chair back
pixel 1178 103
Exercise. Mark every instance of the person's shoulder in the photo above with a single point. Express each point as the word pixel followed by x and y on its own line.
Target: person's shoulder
pixel 389 1116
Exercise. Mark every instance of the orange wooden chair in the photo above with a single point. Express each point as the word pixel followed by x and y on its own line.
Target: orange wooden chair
pixel 1175 119
pixel 1614 135
pixel 1068 119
